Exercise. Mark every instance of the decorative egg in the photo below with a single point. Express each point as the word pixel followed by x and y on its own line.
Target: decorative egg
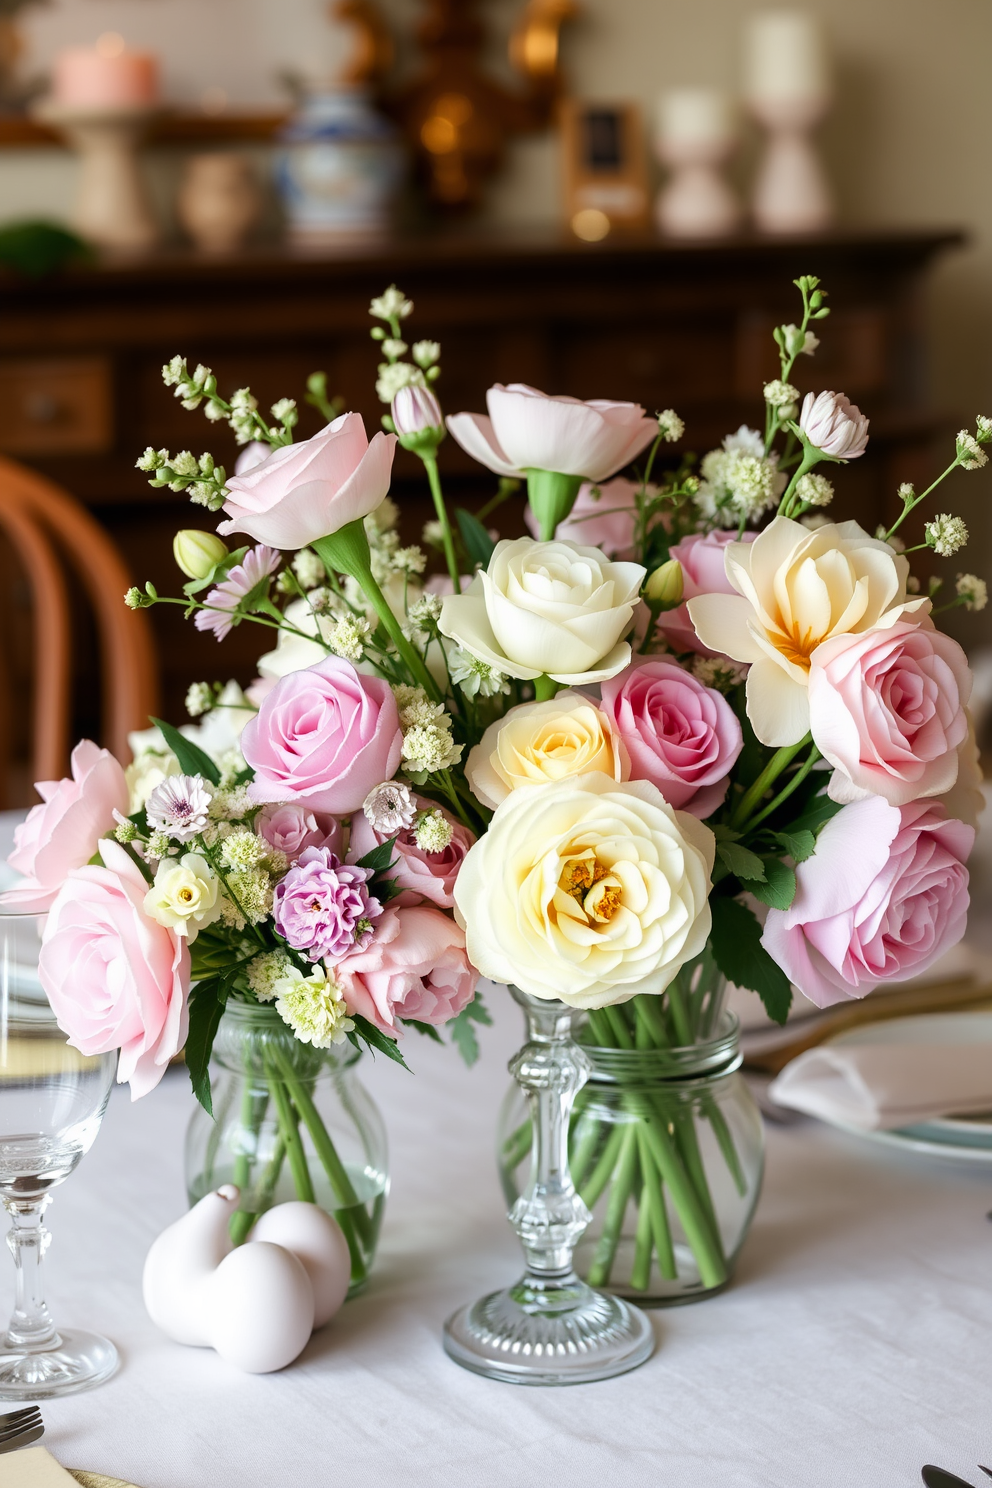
pixel 182 1263
pixel 317 1240
pixel 260 1310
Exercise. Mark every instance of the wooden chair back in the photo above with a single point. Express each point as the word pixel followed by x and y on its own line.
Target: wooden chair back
pixel 49 531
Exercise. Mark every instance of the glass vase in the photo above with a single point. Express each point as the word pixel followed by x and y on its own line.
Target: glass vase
pixel 290 1122
pixel 551 1328
pixel 666 1147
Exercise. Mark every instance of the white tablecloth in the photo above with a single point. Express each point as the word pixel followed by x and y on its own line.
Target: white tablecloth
pixel 853 1346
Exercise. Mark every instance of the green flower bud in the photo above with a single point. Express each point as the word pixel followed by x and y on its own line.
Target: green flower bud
pixel 663 589
pixel 197 552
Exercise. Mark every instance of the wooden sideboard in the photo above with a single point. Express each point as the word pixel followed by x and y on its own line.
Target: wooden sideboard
pixel 668 325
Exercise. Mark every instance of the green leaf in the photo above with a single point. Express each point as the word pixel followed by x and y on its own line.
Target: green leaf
pixel 219 571
pixel 815 814
pixel 738 952
pixel 192 760
pixel 741 860
pixel 385 889
pixel 462 1032
pixel 723 833
pixel 799 845
pixel 206 1005
pixel 375 1039
pixel 778 888
pixel 478 544
pixel 380 859
pixel 427 1029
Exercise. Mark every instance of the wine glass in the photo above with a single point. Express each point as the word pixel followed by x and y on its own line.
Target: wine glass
pixel 52 1100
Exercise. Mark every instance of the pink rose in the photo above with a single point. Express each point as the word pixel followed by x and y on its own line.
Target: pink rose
pixel 63 832
pixel 680 735
pixel 883 896
pixel 291 829
pixel 309 490
pixel 323 737
pixel 414 967
pixel 703 572
pixel 116 978
pixel 603 517
pixel 527 430
pixel 834 424
pixel 423 876
pixel 887 710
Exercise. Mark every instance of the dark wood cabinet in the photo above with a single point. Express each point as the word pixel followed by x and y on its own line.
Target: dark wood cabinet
pixel 680 325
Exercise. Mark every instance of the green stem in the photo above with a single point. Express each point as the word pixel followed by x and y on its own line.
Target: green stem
pixel 786 792
pixel 708 1253
pixel 779 761
pixel 347 551
pixel 640 1272
pixel 601 1172
pixel 811 457
pixel 654 1197
pixel 585 1150
pixel 434 481
pixel 618 1026
pixel 725 1141
pixel 680 1017
pixel 912 505
pixel 253 1108
pixel 623 1182
pixel 545 687
pixel 290 1132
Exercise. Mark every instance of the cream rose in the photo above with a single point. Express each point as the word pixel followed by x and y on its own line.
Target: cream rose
pixel 547 607
pixel 794 590
pixel 185 895
pixel 537 743
pixel 586 890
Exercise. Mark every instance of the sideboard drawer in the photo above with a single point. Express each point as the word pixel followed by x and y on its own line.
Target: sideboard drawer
pixel 57 407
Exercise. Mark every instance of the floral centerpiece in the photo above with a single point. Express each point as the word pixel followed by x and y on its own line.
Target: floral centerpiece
pixel 687 731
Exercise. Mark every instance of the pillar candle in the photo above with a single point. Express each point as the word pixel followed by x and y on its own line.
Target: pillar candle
pixel 695 116
pixel 784 56
pixel 105 76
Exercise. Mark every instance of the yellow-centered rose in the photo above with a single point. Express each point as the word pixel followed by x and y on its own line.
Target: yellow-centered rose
pixel 537 743
pixel 794 590
pixel 185 895
pixel 587 890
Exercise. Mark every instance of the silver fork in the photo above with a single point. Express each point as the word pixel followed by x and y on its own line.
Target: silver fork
pixel 20 1428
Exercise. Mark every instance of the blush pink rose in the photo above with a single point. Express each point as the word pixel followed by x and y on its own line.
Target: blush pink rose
pixel 291 829
pixel 680 735
pixel 526 429
pixel 414 967
pixel 604 517
pixel 422 876
pixel 323 737
pixel 887 710
pixel 703 572
pixel 63 832
pixel 309 490
pixel 115 978
pixel 883 896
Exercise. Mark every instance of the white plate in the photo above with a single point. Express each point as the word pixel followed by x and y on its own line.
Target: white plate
pixel 959 1138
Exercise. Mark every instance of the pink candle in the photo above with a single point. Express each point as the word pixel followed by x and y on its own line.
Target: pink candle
pixel 105 76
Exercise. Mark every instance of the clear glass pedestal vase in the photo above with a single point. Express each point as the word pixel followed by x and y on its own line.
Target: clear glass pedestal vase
pixel 551 1328
pixel 667 1150
pixel 290 1122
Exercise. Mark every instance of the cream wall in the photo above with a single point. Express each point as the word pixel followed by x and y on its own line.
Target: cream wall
pixel 908 142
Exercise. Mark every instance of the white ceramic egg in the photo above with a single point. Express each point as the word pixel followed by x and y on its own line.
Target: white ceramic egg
pixel 181 1264
pixel 260 1308
pixel 318 1241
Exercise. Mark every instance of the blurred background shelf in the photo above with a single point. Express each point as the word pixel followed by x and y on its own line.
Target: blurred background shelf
pixel 19 131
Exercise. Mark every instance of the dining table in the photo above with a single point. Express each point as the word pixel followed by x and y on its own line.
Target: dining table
pixel 851 1347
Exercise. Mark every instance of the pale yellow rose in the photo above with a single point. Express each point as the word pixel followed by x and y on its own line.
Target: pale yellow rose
pixel 796 589
pixel 586 890
pixel 537 743
pixel 185 895
pixel 147 771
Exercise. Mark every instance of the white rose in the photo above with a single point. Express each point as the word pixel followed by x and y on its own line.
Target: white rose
pixel 794 590
pixel 537 743
pixel 547 607
pixel 294 653
pixel 586 890
pixel 185 895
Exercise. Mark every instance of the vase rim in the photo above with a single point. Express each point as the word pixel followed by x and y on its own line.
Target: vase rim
pixel 718 1055
pixel 264 1015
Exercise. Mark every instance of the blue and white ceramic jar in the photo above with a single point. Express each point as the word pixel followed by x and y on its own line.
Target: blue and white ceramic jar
pixel 340 165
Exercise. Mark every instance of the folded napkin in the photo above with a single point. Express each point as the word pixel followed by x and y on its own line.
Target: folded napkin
pixel 33 1468
pixel 880 1086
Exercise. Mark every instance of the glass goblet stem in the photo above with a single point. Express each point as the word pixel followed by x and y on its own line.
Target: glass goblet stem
pixel 30 1326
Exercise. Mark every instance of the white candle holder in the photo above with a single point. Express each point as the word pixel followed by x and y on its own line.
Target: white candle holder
pixel 791 193
pixel 112 208
pixel 696 137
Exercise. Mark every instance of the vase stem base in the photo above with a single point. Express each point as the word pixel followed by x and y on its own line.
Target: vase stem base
pixel 570 1335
